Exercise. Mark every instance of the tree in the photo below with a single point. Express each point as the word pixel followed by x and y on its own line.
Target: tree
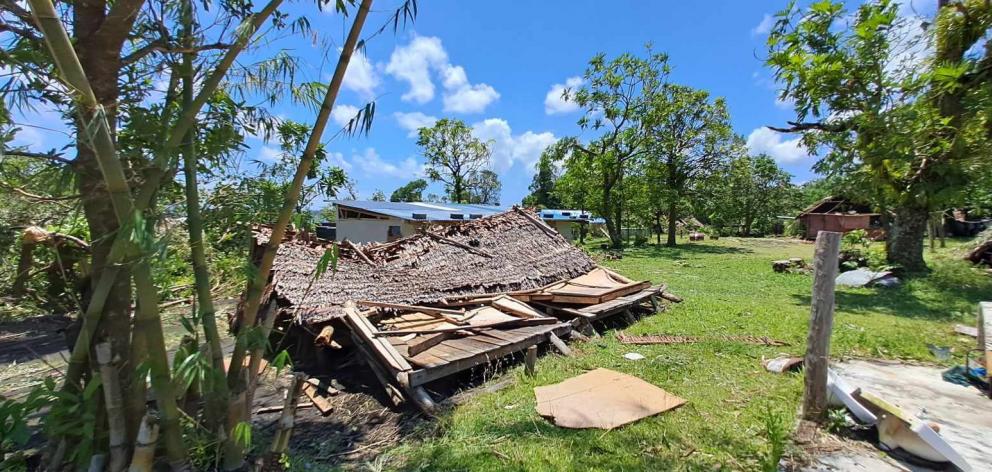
pixel 485 188
pixel 411 192
pixel 750 194
pixel 912 124
pixel 691 138
pixel 453 156
pixel 542 186
pixel 378 196
pixel 617 99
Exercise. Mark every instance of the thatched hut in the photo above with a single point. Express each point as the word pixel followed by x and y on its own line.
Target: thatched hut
pixel 506 252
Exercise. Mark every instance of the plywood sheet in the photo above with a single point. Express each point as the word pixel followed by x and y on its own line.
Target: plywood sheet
pixel 602 399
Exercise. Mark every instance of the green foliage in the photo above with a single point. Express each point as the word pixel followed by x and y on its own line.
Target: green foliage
pixel 484 188
pixel 411 192
pixel 776 432
pixel 542 187
pixel 378 196
pixel 457 159
pixel 73 416
pixel 14 429
pixel 913 130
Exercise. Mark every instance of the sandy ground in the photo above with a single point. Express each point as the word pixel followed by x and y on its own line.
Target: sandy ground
pixel 962 413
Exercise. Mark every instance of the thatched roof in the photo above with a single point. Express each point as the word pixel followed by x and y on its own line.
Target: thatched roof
pixel 505 252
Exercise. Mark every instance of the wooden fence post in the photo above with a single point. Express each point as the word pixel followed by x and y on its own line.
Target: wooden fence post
pixel 821 322
pixel 530 360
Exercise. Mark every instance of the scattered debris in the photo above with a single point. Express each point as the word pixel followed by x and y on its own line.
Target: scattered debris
pixel 783 364
pixel 633 356
pixel 912 388
pixel 794 265
pixel 840 394
pixel 697 236
pixel 942 353
pixel 678 339
pixel 966 330
pixel 602 399
pixel 982 253
pixel 863 277
pixel 897 429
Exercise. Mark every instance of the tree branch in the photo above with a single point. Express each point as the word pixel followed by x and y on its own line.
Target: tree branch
pixel 47 156
pixel 798 127
pixel 161 46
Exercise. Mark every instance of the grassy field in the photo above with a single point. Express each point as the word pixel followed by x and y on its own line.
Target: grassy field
pixel 729 288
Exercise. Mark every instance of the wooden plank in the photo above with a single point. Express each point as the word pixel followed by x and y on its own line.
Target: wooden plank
pixel 422 309
pixel 516 322
pixel 515 307
pixel 426 359
pixel 423 343
pixel 449 353
pixel 469 344
pixel 507 336
pixel 422 376
pixel 489 340
pixel 616 276
pixel 380 347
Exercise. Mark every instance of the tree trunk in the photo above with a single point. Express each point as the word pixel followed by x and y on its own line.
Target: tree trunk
pixel 905 239
pixel 657 227
pixel 673 209
pixel 24 263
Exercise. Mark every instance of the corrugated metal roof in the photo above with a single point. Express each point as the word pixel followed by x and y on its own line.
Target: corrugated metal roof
pixel 422 211
pixel 554 214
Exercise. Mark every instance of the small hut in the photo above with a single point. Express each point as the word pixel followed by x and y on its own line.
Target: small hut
pixel 841 215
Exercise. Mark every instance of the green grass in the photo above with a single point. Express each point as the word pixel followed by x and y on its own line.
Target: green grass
pixel 729 288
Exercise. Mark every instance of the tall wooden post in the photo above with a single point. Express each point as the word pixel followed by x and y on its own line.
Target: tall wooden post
pixel 821 322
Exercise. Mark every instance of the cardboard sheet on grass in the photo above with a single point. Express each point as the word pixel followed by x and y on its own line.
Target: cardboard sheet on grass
pixel 602 399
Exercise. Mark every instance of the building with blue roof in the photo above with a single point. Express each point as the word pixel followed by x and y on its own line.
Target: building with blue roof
pixel 363 221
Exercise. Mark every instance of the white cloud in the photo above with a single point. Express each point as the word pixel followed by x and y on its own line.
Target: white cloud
pixel 784 151
pixel 341 114
pixel 764 27
pixel 787 104
pixel 413 121
pixel 553 102
pixel 360 76
pixel 508 148
pixel 269 154
pixel 412 62
pixel 424 56
pixel 370 163
pixel 337 159
pixel 470 98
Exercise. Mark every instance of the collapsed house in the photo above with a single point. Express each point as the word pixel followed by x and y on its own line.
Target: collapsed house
pixel 446 299
pixel 840 215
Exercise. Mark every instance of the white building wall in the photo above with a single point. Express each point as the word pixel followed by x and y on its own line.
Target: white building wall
pixel 564 228
pixel 362 230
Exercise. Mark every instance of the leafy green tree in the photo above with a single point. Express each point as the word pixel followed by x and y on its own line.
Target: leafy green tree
pixel 411 192
pixel 378 196
pixel 617 99
pixel 542 186
pixel 911 125
pixel 454 156
pixel 690 138
pixel 750 194
pixel 485 188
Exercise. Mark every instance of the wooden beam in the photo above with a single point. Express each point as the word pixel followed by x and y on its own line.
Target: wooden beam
pixel 502 324
pixel 530 360
pixel 423 343
pixel 559 345
pixel 821 322
pixel 423 309
pixel 464 246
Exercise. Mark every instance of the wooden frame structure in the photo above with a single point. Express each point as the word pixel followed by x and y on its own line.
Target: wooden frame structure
pixel 410 346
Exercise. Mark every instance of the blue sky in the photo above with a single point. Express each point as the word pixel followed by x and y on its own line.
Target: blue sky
pixel 500 66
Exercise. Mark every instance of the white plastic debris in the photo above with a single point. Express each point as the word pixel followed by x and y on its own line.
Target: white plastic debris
pixel 633 356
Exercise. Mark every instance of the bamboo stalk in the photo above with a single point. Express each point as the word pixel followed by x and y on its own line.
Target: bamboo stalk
pixel 256 285
pixel 147 321
pixel 216 392
pixel 253 296
pixel 153 180
pixel 257 354
pixel 113 397
pixel 144 445
pixel 284 431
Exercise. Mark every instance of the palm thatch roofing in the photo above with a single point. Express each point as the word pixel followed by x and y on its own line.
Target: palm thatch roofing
pixel 505 252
